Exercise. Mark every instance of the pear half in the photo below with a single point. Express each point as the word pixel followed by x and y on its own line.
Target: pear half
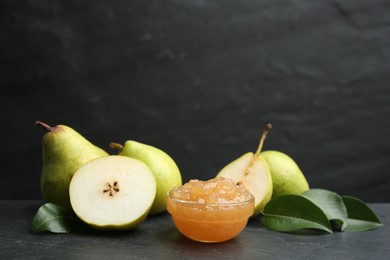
pixel 112 192
pixel 252 171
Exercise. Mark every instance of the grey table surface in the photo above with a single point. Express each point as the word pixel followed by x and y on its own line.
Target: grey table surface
pixel 157 238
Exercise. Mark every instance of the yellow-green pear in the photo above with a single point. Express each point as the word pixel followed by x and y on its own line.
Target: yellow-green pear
pixel 252 171
pixel 162 166
pixel 287 177
pixel 63 152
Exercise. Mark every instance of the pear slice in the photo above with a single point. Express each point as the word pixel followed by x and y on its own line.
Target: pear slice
pixel 252 171
pixel 113 192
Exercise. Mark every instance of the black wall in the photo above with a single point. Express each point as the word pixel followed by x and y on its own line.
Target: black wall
pixel 200 79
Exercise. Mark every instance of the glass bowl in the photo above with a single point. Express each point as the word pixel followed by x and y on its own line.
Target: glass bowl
pixel 209 223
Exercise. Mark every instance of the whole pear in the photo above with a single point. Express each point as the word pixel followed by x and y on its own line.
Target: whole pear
pixel 64 151
pixel 162 166
pixel 287 177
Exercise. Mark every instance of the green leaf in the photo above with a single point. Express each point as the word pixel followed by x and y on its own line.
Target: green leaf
pixel 332 205
pixel 360 216
pixel 287 213
pixel 54 218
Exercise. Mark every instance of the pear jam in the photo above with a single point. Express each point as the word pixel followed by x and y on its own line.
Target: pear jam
pixel 210 211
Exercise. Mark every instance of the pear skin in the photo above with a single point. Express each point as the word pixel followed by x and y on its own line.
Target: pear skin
pixel 64 151
pixel 287 177
pixel 163 167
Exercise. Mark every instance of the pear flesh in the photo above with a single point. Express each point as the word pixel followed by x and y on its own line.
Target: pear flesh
pixel 113 192
pixel 252 171
pixel 287 177
pixel 163 167
pixel 63 151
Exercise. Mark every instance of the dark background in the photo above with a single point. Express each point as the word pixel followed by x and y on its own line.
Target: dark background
pixel 200 79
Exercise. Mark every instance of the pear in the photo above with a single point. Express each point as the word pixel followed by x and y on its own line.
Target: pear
pixel 63 151
pixel 287 177
pixel 252 171
pixel 112 192
pixel 163 167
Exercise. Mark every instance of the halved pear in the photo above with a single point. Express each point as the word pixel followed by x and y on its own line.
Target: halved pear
pixel 252 171
pixel 113 192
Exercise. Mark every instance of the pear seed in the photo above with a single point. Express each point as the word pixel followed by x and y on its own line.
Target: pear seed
pixel 111 188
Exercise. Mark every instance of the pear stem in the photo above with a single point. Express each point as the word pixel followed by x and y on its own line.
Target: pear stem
pixel 44 126
pixel 117 146
pixel 262 138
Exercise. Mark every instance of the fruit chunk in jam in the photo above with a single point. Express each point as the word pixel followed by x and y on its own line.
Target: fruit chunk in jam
pixel 210 211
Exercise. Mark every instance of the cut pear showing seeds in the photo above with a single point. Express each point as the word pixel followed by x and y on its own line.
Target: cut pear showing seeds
pixel 251 170
pixel 113 192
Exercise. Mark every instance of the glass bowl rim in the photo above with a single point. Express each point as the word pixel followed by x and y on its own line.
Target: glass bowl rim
pixel 225 204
